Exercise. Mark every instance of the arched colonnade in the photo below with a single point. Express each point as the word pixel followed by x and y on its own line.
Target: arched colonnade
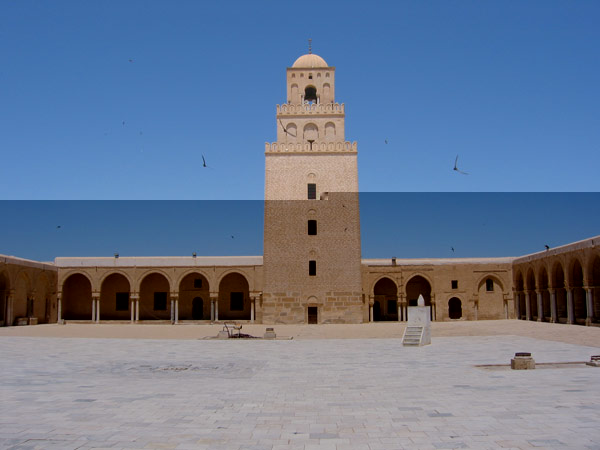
pixel 559 288
pixel 157 294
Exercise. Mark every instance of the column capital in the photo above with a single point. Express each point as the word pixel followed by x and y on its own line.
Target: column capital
pixel 134 296
pixel 95 295
pixel 214 295
pixel 552 290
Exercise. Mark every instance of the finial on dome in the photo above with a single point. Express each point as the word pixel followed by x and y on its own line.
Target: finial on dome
pixel 309 46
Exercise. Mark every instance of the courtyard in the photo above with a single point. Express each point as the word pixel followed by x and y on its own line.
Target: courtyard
pixel 318 387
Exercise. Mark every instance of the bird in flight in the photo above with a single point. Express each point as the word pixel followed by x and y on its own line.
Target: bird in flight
pixel 57 227
pixel 386 141
pixel 123 123
pixel 452 248
pixel 456 167
pixel 232 236
pixel 285 129
pixel 204 163
pixel 131 60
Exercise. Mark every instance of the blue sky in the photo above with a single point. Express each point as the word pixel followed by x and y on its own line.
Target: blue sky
pixel 405 225
pixel 119 100
pixel 512 87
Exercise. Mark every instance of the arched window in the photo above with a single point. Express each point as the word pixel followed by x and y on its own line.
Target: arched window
pixel 310 94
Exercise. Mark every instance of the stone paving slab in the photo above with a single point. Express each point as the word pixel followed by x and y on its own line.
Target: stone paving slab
pixel 360 394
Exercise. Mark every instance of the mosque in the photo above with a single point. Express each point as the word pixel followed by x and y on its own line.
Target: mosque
pixel 311 270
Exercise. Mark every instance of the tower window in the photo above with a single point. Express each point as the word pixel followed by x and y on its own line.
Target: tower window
pixel 122 301
pixel 310 76
pixel 312 227
pixel 312 191
pixel 489 285
pixel 310 94
pixel 454 284
pixel 312 268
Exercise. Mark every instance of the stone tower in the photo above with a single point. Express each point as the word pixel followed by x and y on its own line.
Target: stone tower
pixel 312 228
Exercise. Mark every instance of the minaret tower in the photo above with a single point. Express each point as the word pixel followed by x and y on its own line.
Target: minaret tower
pixel 312 228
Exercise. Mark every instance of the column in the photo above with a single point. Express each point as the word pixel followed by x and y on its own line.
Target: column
pixel 98 310
pixel 589 303
pixel 93 309
pixel 58 306
pixel 527 306
pixel 135 307
pixel 554 318
pixel 399 312
pixel 540 306
pixel 252 302
pixel 516 296
pixel 371 302
pixel 570 311
pixel 176 310
pixel 132 310
pixel 9 308
pixel 172 311
pixel 137 310
pixel 214 306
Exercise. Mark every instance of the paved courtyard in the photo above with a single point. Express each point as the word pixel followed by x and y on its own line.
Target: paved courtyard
pixel 82 393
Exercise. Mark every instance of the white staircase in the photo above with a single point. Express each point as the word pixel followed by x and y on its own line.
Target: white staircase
pixel 413 336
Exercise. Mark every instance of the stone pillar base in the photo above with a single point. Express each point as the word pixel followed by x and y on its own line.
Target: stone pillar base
pixel 522 361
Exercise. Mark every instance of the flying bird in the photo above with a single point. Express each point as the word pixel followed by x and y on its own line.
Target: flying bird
pixel 57 227
pixel 386 141
pixel 232 236
pixel 452 248
pixel 131 60
pixel 456 167
pixel 204 162
pixel 123 123
pixel 285 129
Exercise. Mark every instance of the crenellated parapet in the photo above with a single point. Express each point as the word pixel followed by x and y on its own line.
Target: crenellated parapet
pixel 305 147
pixel 308 108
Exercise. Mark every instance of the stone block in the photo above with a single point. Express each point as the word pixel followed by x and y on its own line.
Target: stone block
pixel 522 361
pixel 270 333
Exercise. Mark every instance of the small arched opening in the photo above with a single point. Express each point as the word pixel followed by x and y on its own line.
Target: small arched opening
pixel 386 296
pixel 454 308
pixel 192 287
pixel 114 298
pixel 418 285
pixel 154 298
pixel 310 94
pixel 234 297
pixel 77 298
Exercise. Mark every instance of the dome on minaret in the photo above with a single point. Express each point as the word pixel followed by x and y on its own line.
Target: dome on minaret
pixel 309 61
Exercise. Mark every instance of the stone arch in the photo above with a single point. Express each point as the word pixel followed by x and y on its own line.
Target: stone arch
pixel 490 297
pixel 530 286
pixel 194 285
pixel 418 284
pixel 497 280
pixel 455 308
pixel 310 132
pixel 310 93
pixel 520 292
pixel 558 284
pixel 129 278
pixel 138 282
pixel 155 299
pixel 327 91
pixel 330 131
pixel 294 93
pixel 4 293
pixel 77 297
pixel 578 293
pixel 542 286
pixel 385 292
pixel 234 296
pixel 292 129
pixel 22 304
pixel 115 293
pixel 44 293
